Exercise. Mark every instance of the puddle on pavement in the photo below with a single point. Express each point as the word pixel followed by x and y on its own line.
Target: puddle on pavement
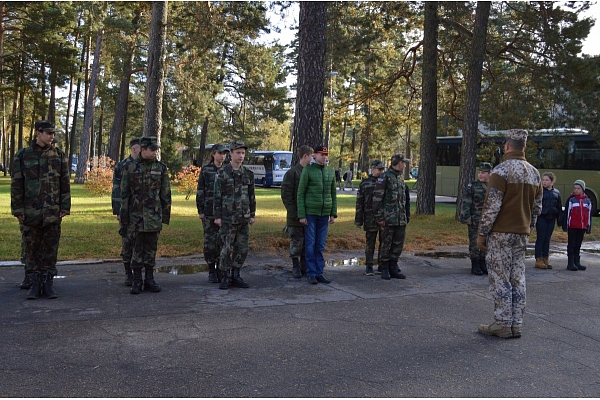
pixel 182 269
pixel 350 262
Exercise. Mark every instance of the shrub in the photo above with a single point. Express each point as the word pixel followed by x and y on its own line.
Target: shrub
pixel 98 181
pixel 186 181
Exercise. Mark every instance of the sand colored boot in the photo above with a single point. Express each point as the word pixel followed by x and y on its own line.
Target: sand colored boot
pixel 548 265
pixel 539 263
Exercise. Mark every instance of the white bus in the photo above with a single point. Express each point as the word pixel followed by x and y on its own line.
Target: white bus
pixel 269 166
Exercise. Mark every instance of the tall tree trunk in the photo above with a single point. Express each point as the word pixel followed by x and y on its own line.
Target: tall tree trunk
pixel 84 52
pixel 84 144
pixel 426 193
pixel 155 76
pixel 468 155
pixel 21 110
pixel 52 105
pixel 203 136
pixel 99 151
pixel 312 40
pixel 364 160
pixel 3 133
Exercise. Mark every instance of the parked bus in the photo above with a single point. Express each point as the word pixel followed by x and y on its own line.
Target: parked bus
pixel 269 166
pixel 570 154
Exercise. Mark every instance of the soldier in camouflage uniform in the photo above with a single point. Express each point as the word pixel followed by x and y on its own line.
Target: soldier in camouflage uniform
pixel 234 211
pixel 204 202
pixel 289 194
pixel 364 213
pixel 470 213
pixel 145 206
pixel 512 205
pixel 126 242
pixel 391 206
pixel 40 198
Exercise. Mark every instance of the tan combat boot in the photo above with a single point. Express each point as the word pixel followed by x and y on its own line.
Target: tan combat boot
pixel 539 263
pixel 496 329
pixel 548 265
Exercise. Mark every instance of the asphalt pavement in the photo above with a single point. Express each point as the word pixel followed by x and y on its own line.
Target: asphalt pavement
pixel 357 337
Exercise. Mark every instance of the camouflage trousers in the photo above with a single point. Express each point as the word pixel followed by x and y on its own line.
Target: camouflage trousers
pixel 506 270
pixel 212 248
pixel 126 243
pixel 234 245
pixel 23 247
pixel 144 249
pixel 392 242
pixel 474 252
pixel 41 248
pixel 371 240
pixel 296 241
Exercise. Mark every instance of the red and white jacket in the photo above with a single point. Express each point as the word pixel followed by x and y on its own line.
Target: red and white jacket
pixel 578 212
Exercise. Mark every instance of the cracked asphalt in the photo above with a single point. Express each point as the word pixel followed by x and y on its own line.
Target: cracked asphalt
pixel 357 337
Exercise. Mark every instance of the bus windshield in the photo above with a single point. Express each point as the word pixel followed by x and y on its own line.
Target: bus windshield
pixel 282 161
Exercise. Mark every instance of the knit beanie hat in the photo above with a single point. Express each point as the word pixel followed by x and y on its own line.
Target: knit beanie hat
pixel 580 183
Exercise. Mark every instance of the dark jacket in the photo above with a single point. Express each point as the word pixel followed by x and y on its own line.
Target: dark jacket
pixel 578 213
pixel 316 192
pixel 364 215
pixel 205 192
pixel 289 194
pixel 551 204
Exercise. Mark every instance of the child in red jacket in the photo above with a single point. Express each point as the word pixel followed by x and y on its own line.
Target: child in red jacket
pixel 577 222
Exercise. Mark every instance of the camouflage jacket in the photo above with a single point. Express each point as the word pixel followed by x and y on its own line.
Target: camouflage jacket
pixel 472 203
pixel 289 194
pixel 40 188
pixel 145 196
pixel 390 199
pixel 205 194
pixel 234 195
pixel 116 182
pixel 514 197
pixel 364 215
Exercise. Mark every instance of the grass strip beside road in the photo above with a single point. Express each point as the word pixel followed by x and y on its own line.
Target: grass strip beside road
pixel 91 231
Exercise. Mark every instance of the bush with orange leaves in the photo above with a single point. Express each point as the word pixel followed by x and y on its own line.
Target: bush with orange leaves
pixel 98 181
pixel 186 181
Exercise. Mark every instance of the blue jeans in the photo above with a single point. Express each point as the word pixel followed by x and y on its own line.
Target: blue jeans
pixel 314 244
pixel 544 228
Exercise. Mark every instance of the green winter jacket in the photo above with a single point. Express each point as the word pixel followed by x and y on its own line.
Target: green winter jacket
pixel 316 192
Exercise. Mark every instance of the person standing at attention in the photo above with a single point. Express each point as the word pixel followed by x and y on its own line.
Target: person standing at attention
pixel 512 205
pixel 145 207
pixel 364 215
pixel 40 197
pixel 234 211
pixel 289 196
pixel 317 208
pixel 577 222
pixel 470 214
pixel 205 195
pixel 544 227
pixel 126 242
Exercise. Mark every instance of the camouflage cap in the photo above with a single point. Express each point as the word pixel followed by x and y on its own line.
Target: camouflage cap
pixel 517 134
pixel 134 141
pixel 45 126
pixel 377 164
pixel 237 144
pixel 486 167
pixel 396 158
pixel 218 148
pixel 149 142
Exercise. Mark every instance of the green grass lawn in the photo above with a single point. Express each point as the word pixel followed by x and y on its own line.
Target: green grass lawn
pixel 90 232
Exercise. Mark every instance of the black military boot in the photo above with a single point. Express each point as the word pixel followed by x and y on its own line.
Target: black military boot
pixel 237 280
pixel 136 288
pixel 369 270
pixel 149 284
pixel 483 266
pixel 577 263
pixel 395 270
pixel 303 265
pixel 571 264
pixel 225 280
pixel 385 270
pixel 296 270
pixel 26 284
pixel 129 273
pixel 212 273
pixel 48 286
pixel 36 286
pixel 475 270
